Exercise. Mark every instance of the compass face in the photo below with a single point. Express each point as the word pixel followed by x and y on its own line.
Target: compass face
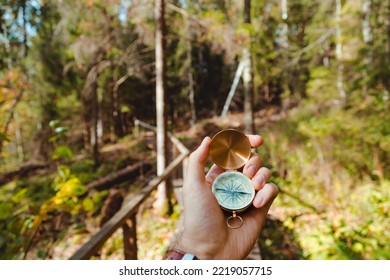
pixel 233 190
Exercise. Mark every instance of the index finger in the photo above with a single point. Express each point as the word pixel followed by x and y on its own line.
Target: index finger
pixel 255 140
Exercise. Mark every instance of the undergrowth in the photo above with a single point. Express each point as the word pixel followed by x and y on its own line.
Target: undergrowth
pixel 333 171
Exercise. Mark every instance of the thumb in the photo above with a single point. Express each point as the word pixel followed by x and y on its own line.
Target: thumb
pixel 197 161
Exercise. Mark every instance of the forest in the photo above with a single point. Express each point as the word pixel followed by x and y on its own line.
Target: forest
pixel 78 77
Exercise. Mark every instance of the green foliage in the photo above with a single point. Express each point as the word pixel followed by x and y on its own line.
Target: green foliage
pixel 68 190
pixel 358 231
pixel 329 154
pixel 336 163
pixel 5 209
pixel 4 137
pixel 62 152
pixel 85 170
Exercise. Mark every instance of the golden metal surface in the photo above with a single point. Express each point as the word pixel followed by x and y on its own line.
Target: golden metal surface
pixel 230 149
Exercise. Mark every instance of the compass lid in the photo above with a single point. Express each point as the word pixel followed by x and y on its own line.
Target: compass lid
pixel 230 149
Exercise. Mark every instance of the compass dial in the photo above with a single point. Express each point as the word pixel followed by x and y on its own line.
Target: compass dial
pixel 233 190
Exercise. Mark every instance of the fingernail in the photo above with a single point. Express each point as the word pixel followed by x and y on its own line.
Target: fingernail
pixel 258 201
pixel 251 171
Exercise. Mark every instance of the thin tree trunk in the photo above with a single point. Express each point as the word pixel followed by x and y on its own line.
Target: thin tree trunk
pixel 237 77
pixel 248 78
pixel 100 120
pixel 191 91
pixel 19 139
pixel 367 37
pixel 287 85
pixel 91 108
pixel 94 122
pixel 387 75
pixel 366 26
pixel 116 113
pixel 284 33
pixel 247 11
pixel 11 114
pixel 339 54
pixel 25 38
pixel 162 136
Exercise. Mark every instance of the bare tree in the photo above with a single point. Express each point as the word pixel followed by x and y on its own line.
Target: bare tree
pixel 367 37
pixel 247 77
pixel 284 32
pixel 339 53
pixel 162 136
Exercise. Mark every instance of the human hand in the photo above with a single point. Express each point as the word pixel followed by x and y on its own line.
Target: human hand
pixel 205 233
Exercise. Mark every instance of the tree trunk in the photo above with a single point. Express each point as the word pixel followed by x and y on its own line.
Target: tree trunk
pixel 94 123
pixel 284 32
pixel 366 26
pixel 339 54
pixel 191 91
pixel 247 11
pixel 288 84
pixel 25 36
pixel 367 37
pixel 162 136
pixel 248 78
pixel 116 112
pixel 19 139
pixel 387 73
pixel 237 77
pixel 11 115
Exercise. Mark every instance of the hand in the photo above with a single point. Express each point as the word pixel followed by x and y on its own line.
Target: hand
pixel 205 233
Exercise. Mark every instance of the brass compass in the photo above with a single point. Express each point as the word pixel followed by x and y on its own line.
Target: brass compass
pixel 230 150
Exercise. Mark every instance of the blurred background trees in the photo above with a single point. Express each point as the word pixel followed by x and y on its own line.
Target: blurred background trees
pixel 75 74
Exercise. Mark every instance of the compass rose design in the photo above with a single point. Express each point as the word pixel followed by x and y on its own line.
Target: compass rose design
pixel 233 190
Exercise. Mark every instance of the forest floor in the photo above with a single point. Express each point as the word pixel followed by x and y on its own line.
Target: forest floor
pixel 302 222
pixel 60 236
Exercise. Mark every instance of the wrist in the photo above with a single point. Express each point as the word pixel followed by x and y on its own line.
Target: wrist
pixel 201 251
pixel 176 254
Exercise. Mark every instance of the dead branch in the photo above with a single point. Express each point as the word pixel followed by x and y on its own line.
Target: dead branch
pixel 22 171
pixel 121 176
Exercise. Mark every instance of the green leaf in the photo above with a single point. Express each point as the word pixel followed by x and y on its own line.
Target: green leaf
pixel 62 152
pixel 41 254
pixel 63 173
pixel 4 137
pixel 19 195
pixel 5 209
pixel 88 204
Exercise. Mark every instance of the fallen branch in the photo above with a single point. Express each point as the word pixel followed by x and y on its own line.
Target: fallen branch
pixel 302 202
pixel 22 171
pixel 120 176
pixel 317 42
